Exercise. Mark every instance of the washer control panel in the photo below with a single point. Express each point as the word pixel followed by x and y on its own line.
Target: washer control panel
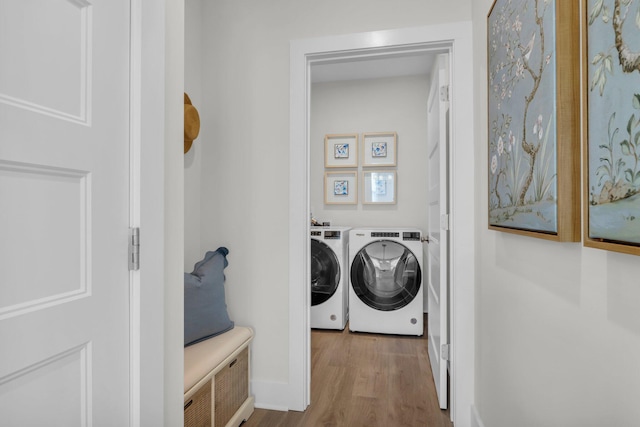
pixel 331 234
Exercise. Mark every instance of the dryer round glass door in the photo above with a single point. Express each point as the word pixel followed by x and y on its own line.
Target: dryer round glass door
pixel 385 275
pixel 325 272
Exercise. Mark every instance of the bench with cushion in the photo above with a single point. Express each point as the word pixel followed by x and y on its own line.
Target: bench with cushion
pixel 216 380
pixel 216 352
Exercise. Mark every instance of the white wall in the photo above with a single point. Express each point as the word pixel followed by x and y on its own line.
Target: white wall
pixel 557 325
pixel 193 22
pixel 396 104
pixel 245 140
pixel 172 207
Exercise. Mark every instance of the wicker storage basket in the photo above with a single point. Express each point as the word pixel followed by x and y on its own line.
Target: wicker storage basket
pixel 231 388
pixel 197 411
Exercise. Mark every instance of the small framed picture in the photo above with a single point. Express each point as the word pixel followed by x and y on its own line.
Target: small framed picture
pixel 341 151
pixel 379 187
pixel 340 188
pixel 379 149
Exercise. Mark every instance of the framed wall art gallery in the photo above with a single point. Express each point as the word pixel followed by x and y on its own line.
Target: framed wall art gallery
pixel 379 149
pixel 341 151
pixel 611 198
pixel 533 51
pixel 379 187
pixel 340 188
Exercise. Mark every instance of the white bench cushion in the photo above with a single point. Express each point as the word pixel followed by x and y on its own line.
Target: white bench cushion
pixel 201 358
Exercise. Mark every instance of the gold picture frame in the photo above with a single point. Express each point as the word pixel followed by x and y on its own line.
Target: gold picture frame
pixel 340 188
pixel 611 127
pixel 379 187
pixel 533 50
pixel 379 149
pixel 341 150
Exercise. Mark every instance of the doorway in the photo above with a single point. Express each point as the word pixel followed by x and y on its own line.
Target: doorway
pixel 355 100
pixel 304 53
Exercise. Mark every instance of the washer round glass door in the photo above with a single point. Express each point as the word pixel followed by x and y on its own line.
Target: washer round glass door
pixel 325 272
pixel 385 275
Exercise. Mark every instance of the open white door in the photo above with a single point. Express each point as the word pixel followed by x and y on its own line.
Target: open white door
pixel 64 190
pixel 438 233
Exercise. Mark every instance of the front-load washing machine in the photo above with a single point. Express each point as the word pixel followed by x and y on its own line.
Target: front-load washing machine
pixel 329 277
pixel 386 292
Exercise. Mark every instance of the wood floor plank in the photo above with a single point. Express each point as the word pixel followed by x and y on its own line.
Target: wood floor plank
pixel 366 412
pixel 370 381
pixel 406 409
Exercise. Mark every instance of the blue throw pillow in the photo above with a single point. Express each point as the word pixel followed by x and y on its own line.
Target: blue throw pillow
pixel 205 308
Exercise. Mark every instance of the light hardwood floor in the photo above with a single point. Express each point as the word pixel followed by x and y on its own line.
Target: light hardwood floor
pixel 360 379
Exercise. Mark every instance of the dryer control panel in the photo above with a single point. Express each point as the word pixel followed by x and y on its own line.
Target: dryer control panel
pixel 385 234
pixel 411 235
pixel 406 235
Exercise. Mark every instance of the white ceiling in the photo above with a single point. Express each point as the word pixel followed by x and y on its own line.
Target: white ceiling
pixel 373 68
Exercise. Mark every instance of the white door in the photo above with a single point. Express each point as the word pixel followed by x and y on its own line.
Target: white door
pixel 437 270
pixel 64 213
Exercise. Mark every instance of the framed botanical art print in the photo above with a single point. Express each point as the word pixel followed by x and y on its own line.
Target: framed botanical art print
pixel 341 151
pixel 379 187
pixel 379 149
pixel 340 188
pixel 612 125
pixel 533 70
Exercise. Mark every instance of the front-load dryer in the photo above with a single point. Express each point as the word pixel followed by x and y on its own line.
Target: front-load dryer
pixel 329 277
pixel 386 292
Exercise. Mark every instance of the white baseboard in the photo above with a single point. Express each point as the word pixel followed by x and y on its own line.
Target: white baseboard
pixel 476 421
pixel 271 395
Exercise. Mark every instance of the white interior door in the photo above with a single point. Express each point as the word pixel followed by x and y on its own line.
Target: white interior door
pixel 64 216
pixel 437 270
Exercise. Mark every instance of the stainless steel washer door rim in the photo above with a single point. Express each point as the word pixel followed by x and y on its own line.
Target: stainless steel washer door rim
pixel 385 275
pixel 325 272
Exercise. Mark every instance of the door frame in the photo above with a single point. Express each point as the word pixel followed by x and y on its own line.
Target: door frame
pixel 156 390
pixel 457 36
